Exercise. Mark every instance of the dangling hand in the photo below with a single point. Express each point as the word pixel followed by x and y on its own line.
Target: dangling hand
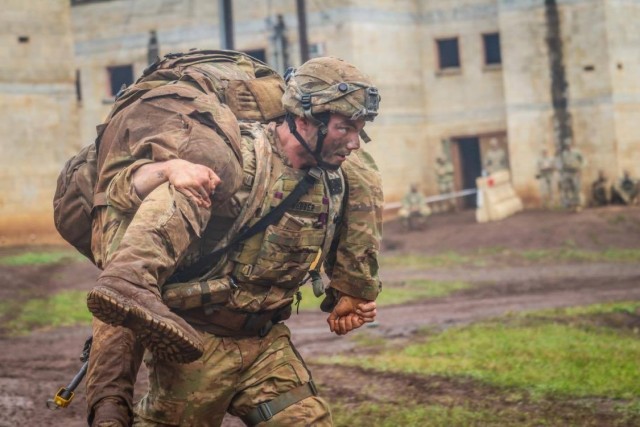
pixel 350 313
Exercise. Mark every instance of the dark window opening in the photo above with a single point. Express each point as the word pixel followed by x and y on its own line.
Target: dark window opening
pixel 23 39
pixel 118 76
pixel 471 167
pixel 259 54
pixel 78 87
pixel 492 54
pixel 448 53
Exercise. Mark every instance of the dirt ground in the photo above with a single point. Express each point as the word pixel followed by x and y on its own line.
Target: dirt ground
pixel 33 367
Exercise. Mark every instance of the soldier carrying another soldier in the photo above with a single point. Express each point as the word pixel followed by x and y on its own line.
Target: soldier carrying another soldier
pixel 226 350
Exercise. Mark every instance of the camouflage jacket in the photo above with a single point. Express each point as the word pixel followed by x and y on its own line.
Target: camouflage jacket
pixel 351 259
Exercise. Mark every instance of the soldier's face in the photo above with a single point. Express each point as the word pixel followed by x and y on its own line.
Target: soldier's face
pixel 343 137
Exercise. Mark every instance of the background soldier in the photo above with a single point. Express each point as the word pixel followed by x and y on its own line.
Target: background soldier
pixel 571 162
pixel 600 190
pixel 414 207
pixel 545 171
pixel 444 177
pixel 495 157
pixel 625 191
pixel 241 302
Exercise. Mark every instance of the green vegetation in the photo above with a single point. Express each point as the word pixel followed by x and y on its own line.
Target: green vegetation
pixel 572 254
pixel 445 259
pixel 395 293
pixel 39 258
pixel 406 414
pixel 605 308
pixel 61 309
pixel 485 256
pixel 546 359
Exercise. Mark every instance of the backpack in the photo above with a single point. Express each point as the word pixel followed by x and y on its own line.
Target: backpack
pixel 251 89
pixel 73 199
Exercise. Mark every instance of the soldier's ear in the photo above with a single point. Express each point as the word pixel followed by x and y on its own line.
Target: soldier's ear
pixel 304 125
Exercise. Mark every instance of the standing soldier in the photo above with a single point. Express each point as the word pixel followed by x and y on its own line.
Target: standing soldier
pixel 495 157
pixel 544 175
pixel 444 177
pixel 571 162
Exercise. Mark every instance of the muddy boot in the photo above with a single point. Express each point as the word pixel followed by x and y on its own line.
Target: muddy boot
pixel 110 412
pixel 164 333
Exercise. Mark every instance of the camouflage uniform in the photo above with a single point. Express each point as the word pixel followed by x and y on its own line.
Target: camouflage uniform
pixel 174 134
pixel 413 202
pixel 600 193
pixel 415 207
pixel 545 170
pixel 625 190
pixel 169 231
pixel 444 178
pixel 495 159
pixel 570 177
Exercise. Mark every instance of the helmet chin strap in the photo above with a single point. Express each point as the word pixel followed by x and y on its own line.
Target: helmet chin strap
pixel 322 133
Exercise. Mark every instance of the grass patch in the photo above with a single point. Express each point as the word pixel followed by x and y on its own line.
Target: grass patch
pixel 605 308
pixel 62 309
pixel 494 255
pixel 40 258
pixel 412 290
pixel 394 293
pixel 573 254
pixel 406 414
pixel 445 259
pixel 547 359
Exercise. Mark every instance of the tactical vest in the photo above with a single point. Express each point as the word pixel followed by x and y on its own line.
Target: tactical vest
pixel 264 271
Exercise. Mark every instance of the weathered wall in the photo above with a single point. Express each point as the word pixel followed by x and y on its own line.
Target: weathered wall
pixel 623 35
pixel 589 33
pixel 394 42
pixel 38 112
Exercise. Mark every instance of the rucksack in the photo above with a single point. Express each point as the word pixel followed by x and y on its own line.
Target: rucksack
pixel 251 89
pixel 73 200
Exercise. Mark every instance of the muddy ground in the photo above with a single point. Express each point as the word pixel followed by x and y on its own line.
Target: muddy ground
pixel 33 367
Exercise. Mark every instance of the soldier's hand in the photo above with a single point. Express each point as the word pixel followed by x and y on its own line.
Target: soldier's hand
pixel 195 181
pixel 351 313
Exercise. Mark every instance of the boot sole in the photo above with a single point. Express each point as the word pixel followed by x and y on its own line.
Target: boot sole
pixel 162 338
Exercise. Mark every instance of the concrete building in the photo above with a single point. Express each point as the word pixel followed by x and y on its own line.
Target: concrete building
pixel 38 113
pixel 453 74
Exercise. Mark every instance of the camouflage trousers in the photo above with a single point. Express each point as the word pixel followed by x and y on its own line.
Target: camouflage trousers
pixel 234 375
pixel 146 254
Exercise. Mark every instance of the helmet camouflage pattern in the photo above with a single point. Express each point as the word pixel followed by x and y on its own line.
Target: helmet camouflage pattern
pixel 331 85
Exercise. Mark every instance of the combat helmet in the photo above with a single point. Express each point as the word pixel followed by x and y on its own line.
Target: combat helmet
pixel 328 85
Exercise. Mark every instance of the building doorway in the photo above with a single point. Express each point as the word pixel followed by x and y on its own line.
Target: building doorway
pixel 468 166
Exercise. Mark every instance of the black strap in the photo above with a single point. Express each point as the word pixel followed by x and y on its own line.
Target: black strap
pixel 265 411
pixel 274 215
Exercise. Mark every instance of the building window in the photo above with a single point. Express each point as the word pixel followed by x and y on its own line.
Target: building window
pixel 492 54
pixel 448 53
pixel 118 76
pixel 258 54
